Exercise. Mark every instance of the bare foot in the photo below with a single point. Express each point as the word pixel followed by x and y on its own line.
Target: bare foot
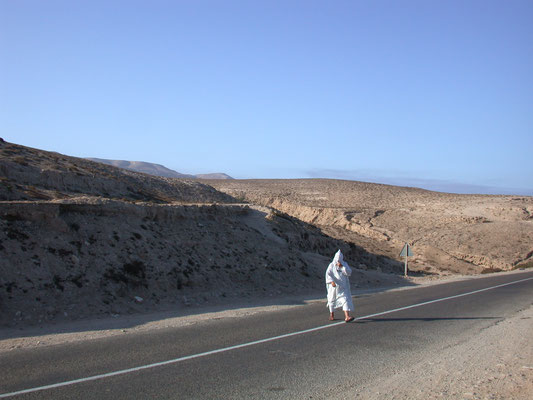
pixel 331 317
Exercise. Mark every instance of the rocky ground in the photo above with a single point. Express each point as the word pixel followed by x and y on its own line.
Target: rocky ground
pixel 465 234
pixel 36 175
pixel 74 260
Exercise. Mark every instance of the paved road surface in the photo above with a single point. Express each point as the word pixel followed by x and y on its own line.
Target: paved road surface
pixel 316 359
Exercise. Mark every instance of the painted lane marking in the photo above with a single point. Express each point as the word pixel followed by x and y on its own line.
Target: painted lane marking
pixel 240 346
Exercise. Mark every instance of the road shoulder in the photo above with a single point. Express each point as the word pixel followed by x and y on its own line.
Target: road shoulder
pixel 496 364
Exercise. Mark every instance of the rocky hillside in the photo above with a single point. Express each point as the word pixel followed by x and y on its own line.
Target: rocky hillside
pixel 80 239
pixel 32 174
pixel 449 232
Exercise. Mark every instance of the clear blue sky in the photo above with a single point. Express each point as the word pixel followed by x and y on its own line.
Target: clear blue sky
pixel 434 94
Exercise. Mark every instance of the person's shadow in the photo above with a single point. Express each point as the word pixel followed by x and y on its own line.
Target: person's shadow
pixel 428 319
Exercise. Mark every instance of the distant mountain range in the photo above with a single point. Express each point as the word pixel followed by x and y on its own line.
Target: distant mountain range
pixel 157 169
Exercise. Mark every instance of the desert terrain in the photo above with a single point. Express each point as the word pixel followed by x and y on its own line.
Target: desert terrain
pixel 89 248
pixel 81 238
pixel 449 233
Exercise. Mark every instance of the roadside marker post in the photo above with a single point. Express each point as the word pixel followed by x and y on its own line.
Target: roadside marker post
pixel 406 252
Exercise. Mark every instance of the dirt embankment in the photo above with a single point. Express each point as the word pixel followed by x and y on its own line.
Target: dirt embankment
pixel 87 257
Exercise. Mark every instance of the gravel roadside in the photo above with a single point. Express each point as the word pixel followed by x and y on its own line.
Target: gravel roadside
pixel 495 365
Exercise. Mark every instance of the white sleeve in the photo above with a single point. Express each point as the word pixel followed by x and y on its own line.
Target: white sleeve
pixel 329 275
pixel 346 270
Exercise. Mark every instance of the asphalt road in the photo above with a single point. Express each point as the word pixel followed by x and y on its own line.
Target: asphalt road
pixel 236 358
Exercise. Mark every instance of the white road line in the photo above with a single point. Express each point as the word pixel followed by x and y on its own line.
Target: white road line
pixel 239 346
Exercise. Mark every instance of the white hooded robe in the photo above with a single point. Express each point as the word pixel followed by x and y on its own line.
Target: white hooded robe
pixel 339 296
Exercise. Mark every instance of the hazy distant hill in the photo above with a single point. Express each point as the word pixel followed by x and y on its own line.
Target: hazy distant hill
pixel 157 169
pixel 213 176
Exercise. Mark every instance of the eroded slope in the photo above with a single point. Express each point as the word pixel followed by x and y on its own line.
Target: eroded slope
pixel 449 232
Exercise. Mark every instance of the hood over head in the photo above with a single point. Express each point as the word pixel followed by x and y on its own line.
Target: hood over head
pixel 338 257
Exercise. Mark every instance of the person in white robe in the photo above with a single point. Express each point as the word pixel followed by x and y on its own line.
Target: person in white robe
pixel 338 287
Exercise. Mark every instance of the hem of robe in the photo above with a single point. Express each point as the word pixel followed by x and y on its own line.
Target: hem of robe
pixel 343 301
